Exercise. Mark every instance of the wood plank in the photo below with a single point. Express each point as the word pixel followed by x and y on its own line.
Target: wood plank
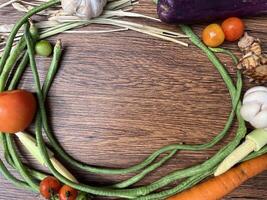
pixel 120 96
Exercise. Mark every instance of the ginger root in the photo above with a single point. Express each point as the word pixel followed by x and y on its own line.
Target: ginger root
pixel 254 61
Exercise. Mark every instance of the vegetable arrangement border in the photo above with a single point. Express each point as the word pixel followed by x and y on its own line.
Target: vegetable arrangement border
pixel 31 177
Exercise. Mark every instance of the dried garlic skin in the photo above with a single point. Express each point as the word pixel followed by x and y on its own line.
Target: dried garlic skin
pixel 254 61
pixel 85 9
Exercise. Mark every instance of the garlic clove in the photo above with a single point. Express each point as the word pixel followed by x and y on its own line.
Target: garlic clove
pixel 69 7
pixel 260 120
pixel 250 110
pixel 85 9
pixel 256 89
pixel 260 96
pixel 264 106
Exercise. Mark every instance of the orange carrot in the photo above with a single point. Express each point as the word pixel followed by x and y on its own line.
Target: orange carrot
pixel 218 187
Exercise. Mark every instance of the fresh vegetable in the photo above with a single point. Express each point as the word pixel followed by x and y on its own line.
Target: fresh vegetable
pixel 49 187
pixel 57 23
pixel 83 196
pixel 213 35
pixel 254 61
pixel 67 193
pixel 6 67
pixel 17 109
pixel 43 48
pixel 30 144
pixel 33 30
pixel 254 142
pixel 233 28
pixel 191 173
pixel 218 187
pixel 192 11
pixel 86 9
pixel 254 108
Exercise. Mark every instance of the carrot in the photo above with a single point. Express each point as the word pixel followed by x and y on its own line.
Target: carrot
pixel 218 187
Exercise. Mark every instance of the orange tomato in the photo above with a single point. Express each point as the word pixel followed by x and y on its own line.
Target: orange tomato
pixel 49 187
pixel 67 193
pixel 233 28
pixel 213 35
pixel 17 109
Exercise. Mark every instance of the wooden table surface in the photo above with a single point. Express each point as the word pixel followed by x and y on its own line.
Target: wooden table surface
pixel 118 97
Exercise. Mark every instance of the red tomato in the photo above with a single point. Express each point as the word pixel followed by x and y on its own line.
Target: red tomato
pixel 17 109
pixel 233 28
pixel 67 193
pixel 213 35
pixel 49 187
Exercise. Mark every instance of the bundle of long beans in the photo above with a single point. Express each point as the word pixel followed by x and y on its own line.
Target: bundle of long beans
pixel 24 49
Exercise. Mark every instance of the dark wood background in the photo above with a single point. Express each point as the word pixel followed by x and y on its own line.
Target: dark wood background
pixel 120 96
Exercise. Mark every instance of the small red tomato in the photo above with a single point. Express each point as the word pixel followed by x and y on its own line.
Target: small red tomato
pixel 213 35
pixel 233 28
pixel 67 193
pixel 49 187
pixel 17 109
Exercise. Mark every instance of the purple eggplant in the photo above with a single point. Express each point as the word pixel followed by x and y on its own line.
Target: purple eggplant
pixel 194 11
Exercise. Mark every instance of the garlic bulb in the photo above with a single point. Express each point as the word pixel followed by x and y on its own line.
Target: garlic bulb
pixel 86 9
pixel 254 108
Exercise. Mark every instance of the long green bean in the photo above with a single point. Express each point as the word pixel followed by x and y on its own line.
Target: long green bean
pixel 38 122
pixel 99 170
pixel 8 157
pixel 236 61
pixel 40 99
pixel 13 84
pixel 4 171
pixel 189 182
pixel 10 146
pixel 131 193
pixel 167 193
pixel 19 165
pixel 140 176
pixel 193 174
pixel 18 25
pixel 11 62
pixel 148 160
pixel 10 143
pixel 46 86
pixel 20 69
pixel 12 157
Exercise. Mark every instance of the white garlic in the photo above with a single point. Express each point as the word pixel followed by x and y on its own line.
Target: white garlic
pixel 254 108
pixel 86 9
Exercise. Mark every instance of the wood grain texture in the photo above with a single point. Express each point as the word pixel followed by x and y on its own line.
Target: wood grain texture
pixel 120 96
